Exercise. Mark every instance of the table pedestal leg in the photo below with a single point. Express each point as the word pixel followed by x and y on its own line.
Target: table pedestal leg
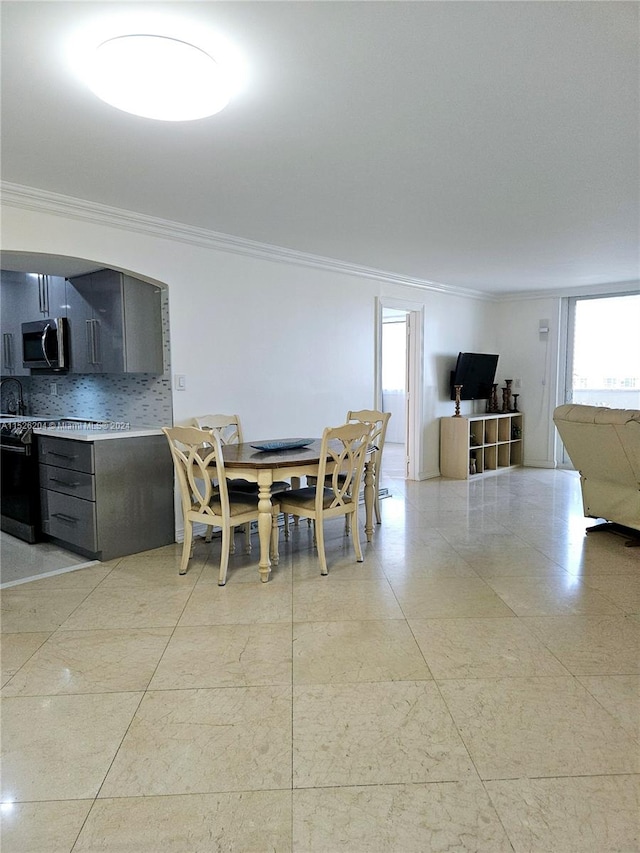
pixel 368 499
pixel 264 528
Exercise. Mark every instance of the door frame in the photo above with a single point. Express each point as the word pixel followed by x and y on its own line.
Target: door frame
pixel 415 371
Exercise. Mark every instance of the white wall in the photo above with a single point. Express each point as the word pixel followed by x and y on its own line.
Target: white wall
pixel 452 325
pixel 532 358
pixel 288 347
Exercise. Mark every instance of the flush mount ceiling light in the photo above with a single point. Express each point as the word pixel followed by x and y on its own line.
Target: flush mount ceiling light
pixel 158 77
pixel 158 66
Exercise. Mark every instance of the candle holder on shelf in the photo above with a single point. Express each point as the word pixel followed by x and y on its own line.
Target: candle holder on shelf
pixel 506 395
pixel 515 403
pixel 457 389
pixel 492 402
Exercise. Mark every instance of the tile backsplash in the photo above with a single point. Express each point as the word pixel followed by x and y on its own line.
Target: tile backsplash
pixel 138 399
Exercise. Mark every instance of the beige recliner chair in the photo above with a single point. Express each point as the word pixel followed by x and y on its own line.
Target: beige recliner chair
pixel 604 446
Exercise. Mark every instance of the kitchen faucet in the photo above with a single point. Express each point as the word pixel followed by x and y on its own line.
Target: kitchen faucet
pixel 20 404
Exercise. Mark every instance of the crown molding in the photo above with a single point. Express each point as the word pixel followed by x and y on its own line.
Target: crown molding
pixel 32 198
pixel 608 289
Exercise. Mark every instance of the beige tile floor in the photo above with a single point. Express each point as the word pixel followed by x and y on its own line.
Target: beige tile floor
pixel 474 685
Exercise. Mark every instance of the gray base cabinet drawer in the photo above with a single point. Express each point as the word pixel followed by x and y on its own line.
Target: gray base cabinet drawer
pixel 70 519
pixel 107 498
pixel 69 482
pixel 66 453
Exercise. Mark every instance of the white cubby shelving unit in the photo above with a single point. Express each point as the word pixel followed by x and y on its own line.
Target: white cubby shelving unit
pixel 492 441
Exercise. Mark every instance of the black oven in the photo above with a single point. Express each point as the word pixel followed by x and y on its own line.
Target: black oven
pixel 45 344
pixel 20 496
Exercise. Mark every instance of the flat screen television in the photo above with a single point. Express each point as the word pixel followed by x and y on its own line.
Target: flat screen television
pixel 476 372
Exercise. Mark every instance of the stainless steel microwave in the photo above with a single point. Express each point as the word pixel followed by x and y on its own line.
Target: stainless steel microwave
pixel 45 344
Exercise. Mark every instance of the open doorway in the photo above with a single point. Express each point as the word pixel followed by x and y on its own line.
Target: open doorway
pixel 395 388
pixel 399 378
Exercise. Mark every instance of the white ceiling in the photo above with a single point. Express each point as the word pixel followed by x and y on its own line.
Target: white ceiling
pixel 484 145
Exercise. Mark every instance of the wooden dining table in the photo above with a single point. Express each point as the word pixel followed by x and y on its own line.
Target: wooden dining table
pixel 264 467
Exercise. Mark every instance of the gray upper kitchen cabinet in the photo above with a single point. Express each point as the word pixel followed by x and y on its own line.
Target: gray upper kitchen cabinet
pixel 42 296
pixel 115 324
pixel 13 287
pixel 26 297
pixel 51 295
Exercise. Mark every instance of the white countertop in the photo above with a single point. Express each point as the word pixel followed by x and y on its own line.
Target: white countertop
pixel 81 430
pixel 93 433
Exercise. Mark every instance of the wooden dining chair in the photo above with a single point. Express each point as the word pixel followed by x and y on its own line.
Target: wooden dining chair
pixel 228 427
pixel 229 431
pixel 378 422
pixel 199 464
pixel 342 455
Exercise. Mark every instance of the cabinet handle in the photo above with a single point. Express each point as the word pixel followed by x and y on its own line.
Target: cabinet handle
pixel 43 294
pixel 9 448
pixel 88 325
pixel 7 349
pixel 64 482
pixel 60 455
pixel 93 341
pixel 95 325
pixel 68 518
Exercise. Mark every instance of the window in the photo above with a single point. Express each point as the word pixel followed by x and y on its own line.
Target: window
pixel 603 352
